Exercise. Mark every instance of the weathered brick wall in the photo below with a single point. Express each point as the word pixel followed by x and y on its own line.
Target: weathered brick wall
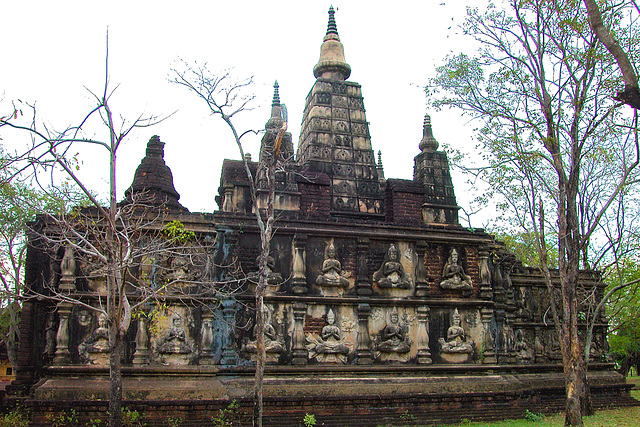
pixel 403 202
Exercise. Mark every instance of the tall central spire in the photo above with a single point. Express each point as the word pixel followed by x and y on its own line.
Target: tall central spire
pixel 332 64
pixel 335 138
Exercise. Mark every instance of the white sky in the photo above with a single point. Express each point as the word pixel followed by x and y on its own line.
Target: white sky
pixel 51 51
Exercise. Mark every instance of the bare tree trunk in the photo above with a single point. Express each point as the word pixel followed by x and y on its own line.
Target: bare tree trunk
pixel 261 352
pixel 115 376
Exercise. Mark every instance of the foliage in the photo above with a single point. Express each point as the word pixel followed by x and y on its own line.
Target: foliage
pixel 558 152
pixel 407 416
pixel 624 318
pixel 523 245
pixel 177 233
pixel 132 418
pixel 18 417
pixel 175 422
pixel 532 416
pixel 63 418
pixel 228 416
pixel 309 420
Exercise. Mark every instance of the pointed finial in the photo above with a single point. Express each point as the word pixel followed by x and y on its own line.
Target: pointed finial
pixel 428 142
pixel 332 28
pixel 332 64
pixel 276 94
pixel 380 158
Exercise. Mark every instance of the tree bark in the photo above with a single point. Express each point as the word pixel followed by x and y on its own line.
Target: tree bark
pixel 115 376
pixel 631 94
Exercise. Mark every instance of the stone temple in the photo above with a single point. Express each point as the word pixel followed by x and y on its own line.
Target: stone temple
pixel 381 308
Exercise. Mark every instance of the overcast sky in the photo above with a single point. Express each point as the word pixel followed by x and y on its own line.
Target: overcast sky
pixel 53 51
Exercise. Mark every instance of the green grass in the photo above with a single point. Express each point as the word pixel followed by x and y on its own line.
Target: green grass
pixel 623 417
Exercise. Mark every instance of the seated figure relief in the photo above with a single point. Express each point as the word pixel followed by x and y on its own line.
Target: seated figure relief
pixel 330 346
pixel 332 273
pixel 453 275
pixel 391 273
pixel 457 340
pixel 175 340
pixel 97 342
pixel 273 343
pixel 273 277
pixel 393 337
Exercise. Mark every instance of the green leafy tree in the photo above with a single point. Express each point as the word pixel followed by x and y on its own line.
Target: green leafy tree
pixel 558 152
pixel 624 323
pixel 20 202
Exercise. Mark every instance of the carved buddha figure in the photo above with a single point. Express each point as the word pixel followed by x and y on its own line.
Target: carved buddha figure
pixel 97 342
pixel 457 340
pixel 393 337
pixel 332 273
pixel 273 277
pixel 175 340
pixel 272 343
pixel 391 274
pixel 330 341
pixel 453 276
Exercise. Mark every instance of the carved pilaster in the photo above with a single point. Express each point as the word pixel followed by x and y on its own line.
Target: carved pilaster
pixel 62 338
pixel 363 282
pixel 206 338
pixel 424 354
pixel 538 346
pixel 489 344
pixel 68 270
pixel 227 204
pixel 365 356
pixel 299 279
pixel 485 275
pixel 141 356
pixel 421 272
pixel 300 352
pixel 229 354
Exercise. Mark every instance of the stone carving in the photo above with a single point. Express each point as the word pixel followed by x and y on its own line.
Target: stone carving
pixel 175 340
pixel 273 277
pixel 332 273
pixel 393 337
pixel 95 349
pixel 453 276
pixel 330 346
pixel 51 329
pixel 457 341
pixel 273 343
pixel 523 353
pixel 391 273
pixel 179 270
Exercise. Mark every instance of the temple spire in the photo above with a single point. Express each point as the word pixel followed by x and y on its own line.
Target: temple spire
pixel 276 94
pixel 153 180
pixel 428 142
pixel 332 64
pixel 332 28
pixel 276 119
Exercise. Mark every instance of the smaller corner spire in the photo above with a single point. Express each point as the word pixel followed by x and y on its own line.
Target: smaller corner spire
pixel 332 28
pixel 276 94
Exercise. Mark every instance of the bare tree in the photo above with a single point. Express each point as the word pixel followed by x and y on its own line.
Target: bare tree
pixel 560 153
pixel 226 98
pixel 104 237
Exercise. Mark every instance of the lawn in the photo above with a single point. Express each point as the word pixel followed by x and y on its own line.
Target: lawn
pixel 623 417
